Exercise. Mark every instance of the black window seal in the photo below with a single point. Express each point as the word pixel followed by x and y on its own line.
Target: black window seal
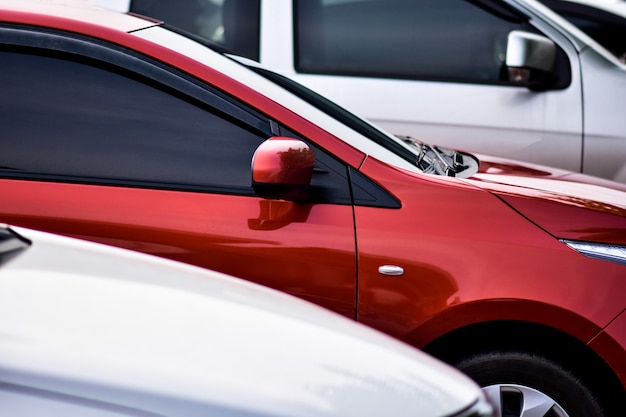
pixel 127 183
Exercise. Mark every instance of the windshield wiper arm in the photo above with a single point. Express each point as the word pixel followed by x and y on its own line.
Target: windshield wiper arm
pixel 441 161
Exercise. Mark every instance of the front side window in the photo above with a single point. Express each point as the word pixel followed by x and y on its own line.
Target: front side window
pixel 80 120
pixel 233 24
pixel 450 40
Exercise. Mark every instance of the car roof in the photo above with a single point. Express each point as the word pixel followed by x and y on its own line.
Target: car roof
pixel 117 325
pixel 38 12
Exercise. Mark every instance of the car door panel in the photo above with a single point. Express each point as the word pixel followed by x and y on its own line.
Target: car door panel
pixel 161 164
pixel 304 249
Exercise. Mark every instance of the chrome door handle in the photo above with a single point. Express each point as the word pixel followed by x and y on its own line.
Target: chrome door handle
pixel 391 270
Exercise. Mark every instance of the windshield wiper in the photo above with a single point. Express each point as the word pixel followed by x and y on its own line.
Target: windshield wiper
pixel 437 160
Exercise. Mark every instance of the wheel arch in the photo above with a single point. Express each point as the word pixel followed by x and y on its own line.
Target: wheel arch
pixel 537 338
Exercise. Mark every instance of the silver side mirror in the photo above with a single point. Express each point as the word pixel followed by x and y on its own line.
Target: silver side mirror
pixel 530 59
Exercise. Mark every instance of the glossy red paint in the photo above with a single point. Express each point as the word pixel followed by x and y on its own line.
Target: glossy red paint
pixel 566 205
pixel 472 251
pixel 283 160
pixel 496 167
pixel 272 242
pixel 460 245
pixel 579 220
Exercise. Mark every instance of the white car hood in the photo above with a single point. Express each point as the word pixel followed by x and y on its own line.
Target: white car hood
pixel 122 327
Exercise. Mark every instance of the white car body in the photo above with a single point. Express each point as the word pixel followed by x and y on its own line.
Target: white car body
pixel 578 128
pixel 90 330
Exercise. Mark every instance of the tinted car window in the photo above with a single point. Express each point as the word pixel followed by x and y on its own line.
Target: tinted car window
pixel 234 24
pixel 427 39
pixel 75 120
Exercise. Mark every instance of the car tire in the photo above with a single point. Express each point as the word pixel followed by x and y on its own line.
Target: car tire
pixel 522 384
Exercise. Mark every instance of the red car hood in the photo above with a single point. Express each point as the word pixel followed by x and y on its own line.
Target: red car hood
pixel 566 204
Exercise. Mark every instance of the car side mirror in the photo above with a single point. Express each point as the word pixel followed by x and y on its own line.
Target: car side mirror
pixel 530 60
pixel 282 168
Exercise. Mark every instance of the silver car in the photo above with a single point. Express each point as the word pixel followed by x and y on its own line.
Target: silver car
pixel 88 330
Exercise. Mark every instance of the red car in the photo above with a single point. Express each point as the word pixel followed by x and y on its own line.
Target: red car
pixel 119 130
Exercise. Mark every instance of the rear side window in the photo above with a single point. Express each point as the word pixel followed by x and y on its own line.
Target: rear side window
pixel 233 24
pixel 412 39
pixel 72 119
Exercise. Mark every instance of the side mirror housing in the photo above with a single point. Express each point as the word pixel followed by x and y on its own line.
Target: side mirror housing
pixel 530 60
pixel 282 168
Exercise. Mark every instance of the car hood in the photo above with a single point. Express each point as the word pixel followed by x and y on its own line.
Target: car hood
pixel 117 325
pixel 566 204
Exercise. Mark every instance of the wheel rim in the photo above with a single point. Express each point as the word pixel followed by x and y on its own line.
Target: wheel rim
pixel 511 400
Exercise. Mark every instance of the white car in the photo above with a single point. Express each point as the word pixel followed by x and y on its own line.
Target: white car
pixel 502 77
pixel 94 331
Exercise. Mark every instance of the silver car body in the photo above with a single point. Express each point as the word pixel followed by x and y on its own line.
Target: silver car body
pixel 90 330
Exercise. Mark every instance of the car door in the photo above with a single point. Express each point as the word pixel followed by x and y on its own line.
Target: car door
pixel 431 69
pixel 104 144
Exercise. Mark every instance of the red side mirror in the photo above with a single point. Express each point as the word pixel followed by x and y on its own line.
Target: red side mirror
pixel 282 168
pixel 283 161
